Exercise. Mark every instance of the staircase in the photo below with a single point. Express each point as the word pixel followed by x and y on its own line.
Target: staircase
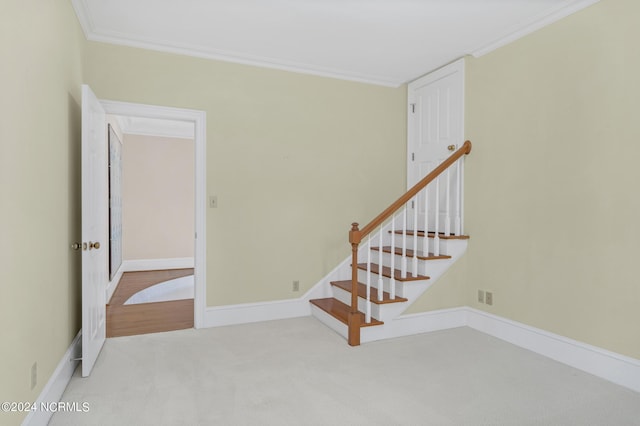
pixel 400 260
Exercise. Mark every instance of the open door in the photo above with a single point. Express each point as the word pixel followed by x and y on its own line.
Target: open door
pixel 95 231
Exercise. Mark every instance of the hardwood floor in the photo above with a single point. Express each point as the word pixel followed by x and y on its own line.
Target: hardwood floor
pixel 142 318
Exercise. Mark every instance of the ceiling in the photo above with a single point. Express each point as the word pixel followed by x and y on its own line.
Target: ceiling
pixel 385 42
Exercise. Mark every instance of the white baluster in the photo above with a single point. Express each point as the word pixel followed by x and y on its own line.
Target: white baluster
pixel 403 264
pixel 447 204
pixel 458 219
pixel 425 240
pixel 392 280
pixel 461 165
pixel 367 317
pixel 436 237
pixel 414 262
pixel 380 253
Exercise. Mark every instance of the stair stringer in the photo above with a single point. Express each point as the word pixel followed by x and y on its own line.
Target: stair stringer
pixel 388 313
pixel 392 314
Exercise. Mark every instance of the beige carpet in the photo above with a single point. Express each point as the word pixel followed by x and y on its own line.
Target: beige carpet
pixel 298 372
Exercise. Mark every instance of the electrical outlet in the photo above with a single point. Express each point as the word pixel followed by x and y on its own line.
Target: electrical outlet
pixel 488 298
pixel 296 286
pixel 213 201
pixel 481 296
pixel 34 375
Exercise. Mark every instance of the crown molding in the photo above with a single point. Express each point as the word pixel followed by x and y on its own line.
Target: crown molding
pixel 533 25
pixel 237 58
pixel 123 39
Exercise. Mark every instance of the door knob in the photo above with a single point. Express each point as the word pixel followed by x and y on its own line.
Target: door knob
pixel 76 246
pixel 95 245
pixel 451 147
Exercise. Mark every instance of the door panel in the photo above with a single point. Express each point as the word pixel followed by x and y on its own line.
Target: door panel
pixel 94 228
pixel 435 130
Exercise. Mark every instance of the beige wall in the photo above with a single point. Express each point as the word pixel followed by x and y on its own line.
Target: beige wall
pixel 292 158
pixel 157 197
pixel 551 194
pixel 40 77
pixel 552 184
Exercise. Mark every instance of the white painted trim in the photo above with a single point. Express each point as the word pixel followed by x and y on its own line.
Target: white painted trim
pixel 156 128
pixel 252 60
pixel 157 264
pixel 219 55
pixel 566 8
pixel 111 286
pixel 426 322
pixel 256 312
pixel 562 11
pixel 53 390
pixel 200 266
pixel 199 118
pixel 243 313
pixel 616 368
pixel 619 369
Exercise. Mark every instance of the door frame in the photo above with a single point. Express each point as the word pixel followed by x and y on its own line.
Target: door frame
pixel 454 67
pixel 199 119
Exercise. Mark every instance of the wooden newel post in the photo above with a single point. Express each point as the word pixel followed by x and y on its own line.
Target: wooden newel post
pixel 354 316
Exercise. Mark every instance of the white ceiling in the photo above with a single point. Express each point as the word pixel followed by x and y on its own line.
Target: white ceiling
pixel 386 42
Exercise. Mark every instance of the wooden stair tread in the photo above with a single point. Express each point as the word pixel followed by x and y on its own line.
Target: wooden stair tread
pixel 386 272
pixel 340 311
pixel 441 235
pixel 362 292
pixel 420 254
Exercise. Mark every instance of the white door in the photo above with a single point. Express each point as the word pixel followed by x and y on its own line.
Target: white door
pixel 95 231
pixel 435 130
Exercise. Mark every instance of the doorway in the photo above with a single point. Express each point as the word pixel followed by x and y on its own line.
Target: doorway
pixel 151 221
pixel 197 121
pixel 435 130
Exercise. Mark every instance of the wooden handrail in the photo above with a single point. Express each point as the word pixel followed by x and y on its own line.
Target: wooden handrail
pixel 356 236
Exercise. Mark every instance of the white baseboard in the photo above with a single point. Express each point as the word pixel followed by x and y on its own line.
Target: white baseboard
pixel 616 368
pixel 244 313
pixel 53 390
pixel 157 264
pixel 425 322
pixel 256 312
pixel 611 366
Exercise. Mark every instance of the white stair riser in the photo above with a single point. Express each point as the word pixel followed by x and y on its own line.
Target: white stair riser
pixel 362 277
pixel 423 265
pixel 411 290
pixel 444 244
pixel 345 297
pixel 331 322
pixel 386 283
pixel 383 312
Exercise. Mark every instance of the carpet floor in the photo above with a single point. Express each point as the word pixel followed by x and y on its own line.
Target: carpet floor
pixel 298 372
